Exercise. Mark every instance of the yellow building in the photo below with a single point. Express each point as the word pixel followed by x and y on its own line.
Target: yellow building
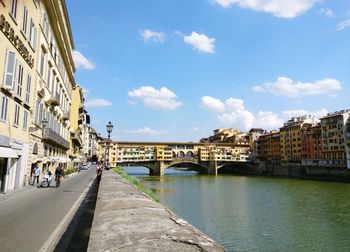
pixel 76 114
pixel 290 138
pixel 18 50
pixel 37 77
pixel 163 153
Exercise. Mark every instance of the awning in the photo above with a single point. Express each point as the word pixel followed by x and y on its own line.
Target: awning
pixel 76 160
pixel 8 153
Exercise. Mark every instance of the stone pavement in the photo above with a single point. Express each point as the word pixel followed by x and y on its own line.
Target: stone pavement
pixel 127 220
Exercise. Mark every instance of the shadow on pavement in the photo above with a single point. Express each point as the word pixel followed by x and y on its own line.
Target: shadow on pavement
pixel 77 235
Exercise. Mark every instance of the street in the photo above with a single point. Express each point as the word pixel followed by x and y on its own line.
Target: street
pixel 28 219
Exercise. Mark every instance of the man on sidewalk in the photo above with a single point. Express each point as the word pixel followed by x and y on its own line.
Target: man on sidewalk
pixel 36 173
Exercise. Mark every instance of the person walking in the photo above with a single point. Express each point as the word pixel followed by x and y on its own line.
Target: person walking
pixel 36 174
pixel 59 174
pixel 99 173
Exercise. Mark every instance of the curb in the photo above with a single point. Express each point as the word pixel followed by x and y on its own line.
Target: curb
pixel 51 242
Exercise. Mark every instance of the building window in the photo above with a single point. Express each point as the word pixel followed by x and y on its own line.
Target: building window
pixel 39 110
pixel 24 20
pixel 19 80
pixel 10 70
pixel 3 109
pixel 29 80
pixel 46 25
pixel 16 119
pixel 49 78
pixel 42 63
pixel 25 119
pixel 14 8
pixel 32 34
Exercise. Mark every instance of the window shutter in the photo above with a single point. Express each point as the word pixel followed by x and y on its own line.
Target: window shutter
pixel 10 69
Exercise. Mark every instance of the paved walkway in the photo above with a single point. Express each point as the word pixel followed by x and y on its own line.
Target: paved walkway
pixel 127 220
pixel 31 217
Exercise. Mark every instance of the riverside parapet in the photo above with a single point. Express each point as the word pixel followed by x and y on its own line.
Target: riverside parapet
pixel 126 219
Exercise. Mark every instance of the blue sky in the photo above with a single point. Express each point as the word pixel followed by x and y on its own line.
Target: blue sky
pixel 174 70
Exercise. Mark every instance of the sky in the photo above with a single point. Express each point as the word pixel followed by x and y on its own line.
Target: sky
pixel 175 70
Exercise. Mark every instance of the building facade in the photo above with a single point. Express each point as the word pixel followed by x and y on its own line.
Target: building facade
pixel 269 146
pixel 336 134
pixel 37 77
pixel 311 146
pixel 18 50
pixel 54 82
pixel 290 138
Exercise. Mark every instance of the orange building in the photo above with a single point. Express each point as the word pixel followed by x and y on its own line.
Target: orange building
pixel 311 145
pixel 269 147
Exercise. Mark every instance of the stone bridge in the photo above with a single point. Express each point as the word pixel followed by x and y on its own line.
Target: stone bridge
pixel 157 168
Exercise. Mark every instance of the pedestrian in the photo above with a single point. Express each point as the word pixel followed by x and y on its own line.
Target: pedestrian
pixel 99 173
pixel 36 174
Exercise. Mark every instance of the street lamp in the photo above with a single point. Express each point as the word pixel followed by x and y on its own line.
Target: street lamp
pixel 109 127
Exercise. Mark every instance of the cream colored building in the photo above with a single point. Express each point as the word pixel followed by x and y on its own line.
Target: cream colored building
pixel 54 82
pixel 335 128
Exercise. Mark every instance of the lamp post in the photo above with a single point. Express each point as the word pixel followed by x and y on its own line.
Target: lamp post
pixel 109 127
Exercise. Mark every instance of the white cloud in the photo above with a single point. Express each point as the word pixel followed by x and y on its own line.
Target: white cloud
pixel 200 42
pixel 81 62
pixel 278 8
pixel 343 24
pixel 300 112
pixel 98 103
pixel 145 130
pixel 287 87
pixel 159 99
pixel 148 34
pixel 213 104
pixel 234 114
pixel 327 12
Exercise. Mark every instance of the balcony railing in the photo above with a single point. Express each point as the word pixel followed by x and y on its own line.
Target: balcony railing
pixel 53 137
pixel 77 138
pixel 54 100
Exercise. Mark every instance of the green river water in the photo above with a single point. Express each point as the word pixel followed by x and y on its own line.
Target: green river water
pixel 258 213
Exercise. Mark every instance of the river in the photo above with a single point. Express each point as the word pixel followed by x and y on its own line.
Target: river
pixel 258 213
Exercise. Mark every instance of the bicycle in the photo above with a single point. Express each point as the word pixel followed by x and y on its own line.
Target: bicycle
pixel 58 181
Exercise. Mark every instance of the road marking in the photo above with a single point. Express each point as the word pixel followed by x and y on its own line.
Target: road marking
pixel 63 225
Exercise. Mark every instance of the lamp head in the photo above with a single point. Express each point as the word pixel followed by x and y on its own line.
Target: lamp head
pixel 109 127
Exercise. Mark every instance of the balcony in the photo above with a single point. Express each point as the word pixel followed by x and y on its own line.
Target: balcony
pixel 49 135
pixel 76 138
pixel 54 100
pixel 66 116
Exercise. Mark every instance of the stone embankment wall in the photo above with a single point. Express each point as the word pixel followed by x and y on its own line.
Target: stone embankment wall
pixel 125 219
pixel 303 171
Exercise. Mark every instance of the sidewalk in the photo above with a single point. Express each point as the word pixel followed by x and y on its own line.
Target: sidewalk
pixel 9 195
pixel 25 189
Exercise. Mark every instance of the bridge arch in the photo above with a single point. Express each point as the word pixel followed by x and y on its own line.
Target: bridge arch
pixel 190 165
pixel 149 166
pixel 189 154
pixel 234 167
